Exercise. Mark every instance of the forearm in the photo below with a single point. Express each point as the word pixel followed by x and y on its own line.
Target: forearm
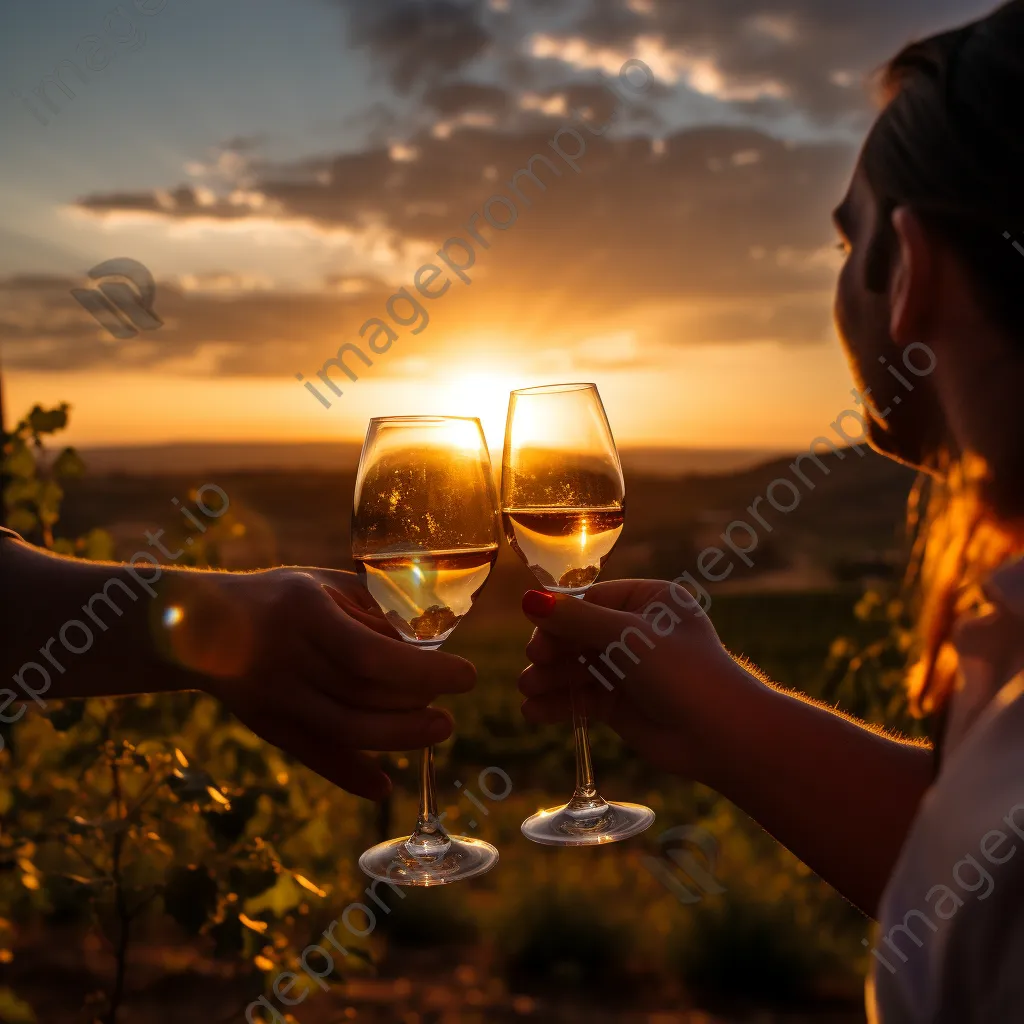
pixel 73 628
pixel 837 793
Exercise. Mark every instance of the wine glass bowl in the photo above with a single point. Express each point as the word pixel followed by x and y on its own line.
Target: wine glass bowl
pixel 563 494
pixel 563 506
pixel 425 535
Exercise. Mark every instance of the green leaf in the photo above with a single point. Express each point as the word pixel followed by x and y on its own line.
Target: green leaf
pixel 69 464
pixel 284 895
pixel 98 546
pixel 48 421
pixel 20 463
pixel 21 520
pixel 49 501
pixel 14 1010
pixel 22 491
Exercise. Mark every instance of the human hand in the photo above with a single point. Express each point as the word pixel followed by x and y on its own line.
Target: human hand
pixel 666 675
pixel 306 659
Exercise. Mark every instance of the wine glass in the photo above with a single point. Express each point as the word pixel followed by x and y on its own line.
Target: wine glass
pixel 425 535
pixel 563 503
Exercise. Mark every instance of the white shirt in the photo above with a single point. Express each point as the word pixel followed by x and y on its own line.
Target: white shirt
pixel 950 944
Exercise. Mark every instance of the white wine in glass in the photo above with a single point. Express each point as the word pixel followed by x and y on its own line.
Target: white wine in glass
pixel 425 534
pixel 563 503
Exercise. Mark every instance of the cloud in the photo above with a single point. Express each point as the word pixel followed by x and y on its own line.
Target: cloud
pixel 808 52
pixel 716 235
pixel 711 234
pixel 453 98
pixel 701 72
pixel 774 56
pixel 418 40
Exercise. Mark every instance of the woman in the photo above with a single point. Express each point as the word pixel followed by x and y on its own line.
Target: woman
pixel 927 844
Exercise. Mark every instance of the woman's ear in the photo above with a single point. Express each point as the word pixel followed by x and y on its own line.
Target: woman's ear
pixel 912 281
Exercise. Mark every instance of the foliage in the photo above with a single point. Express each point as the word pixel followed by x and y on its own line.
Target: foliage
pixel 32 490
pixel 867 674
pixel 164 817
pixel 121 813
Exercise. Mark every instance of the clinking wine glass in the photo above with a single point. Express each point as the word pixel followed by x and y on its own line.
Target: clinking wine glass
pixel 563 504
pixel 425 534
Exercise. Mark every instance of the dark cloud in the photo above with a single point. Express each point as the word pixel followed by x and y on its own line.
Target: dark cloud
pixel 717 234
pixel 819 51
pixel 708 235
pixel 461 97
pixel 242 332
pixel 418 40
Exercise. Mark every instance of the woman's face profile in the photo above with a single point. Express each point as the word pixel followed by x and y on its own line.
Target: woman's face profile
pixel 899 423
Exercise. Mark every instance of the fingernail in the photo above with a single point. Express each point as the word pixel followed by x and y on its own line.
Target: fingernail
pixel 538 603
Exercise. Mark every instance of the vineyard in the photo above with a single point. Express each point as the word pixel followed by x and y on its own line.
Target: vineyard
pixel 161 863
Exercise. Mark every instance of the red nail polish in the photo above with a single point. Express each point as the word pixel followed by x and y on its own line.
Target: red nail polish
pixel 538 604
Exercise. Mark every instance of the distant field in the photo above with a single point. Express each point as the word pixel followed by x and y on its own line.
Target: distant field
pixel 171 459
pixel 846 529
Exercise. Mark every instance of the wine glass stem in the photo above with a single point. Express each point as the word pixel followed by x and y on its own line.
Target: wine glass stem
pixel 429 839
pixel 586 797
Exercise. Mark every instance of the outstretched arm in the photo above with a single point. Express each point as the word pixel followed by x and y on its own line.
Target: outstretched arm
pixel 838 793
pixel 302 656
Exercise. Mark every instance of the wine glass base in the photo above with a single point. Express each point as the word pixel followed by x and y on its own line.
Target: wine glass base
pixel 392 862
pixel 555 826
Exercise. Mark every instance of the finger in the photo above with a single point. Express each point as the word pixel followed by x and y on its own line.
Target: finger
pixel 368 730
pixel 371 617
pixel 352 770
pixel 582 625
pixel 374 729
pixel 382 660
pixel 345 688
pixel 552 678
pixel 347 591
pixel 376 657
pixel 348 584
pixel 360 774
pixel 628 595
pixel 393 730
pixel 543 650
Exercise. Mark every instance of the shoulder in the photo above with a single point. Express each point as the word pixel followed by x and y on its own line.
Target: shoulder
pixel 951 926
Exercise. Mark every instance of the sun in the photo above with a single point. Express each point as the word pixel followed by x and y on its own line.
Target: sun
pixel 480 392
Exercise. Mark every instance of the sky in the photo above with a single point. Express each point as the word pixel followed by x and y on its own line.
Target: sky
pixel 302 175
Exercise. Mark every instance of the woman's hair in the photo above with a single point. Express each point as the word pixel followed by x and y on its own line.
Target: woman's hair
pixel 949 144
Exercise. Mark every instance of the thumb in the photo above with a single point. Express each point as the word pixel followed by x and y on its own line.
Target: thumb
pixel 583 624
